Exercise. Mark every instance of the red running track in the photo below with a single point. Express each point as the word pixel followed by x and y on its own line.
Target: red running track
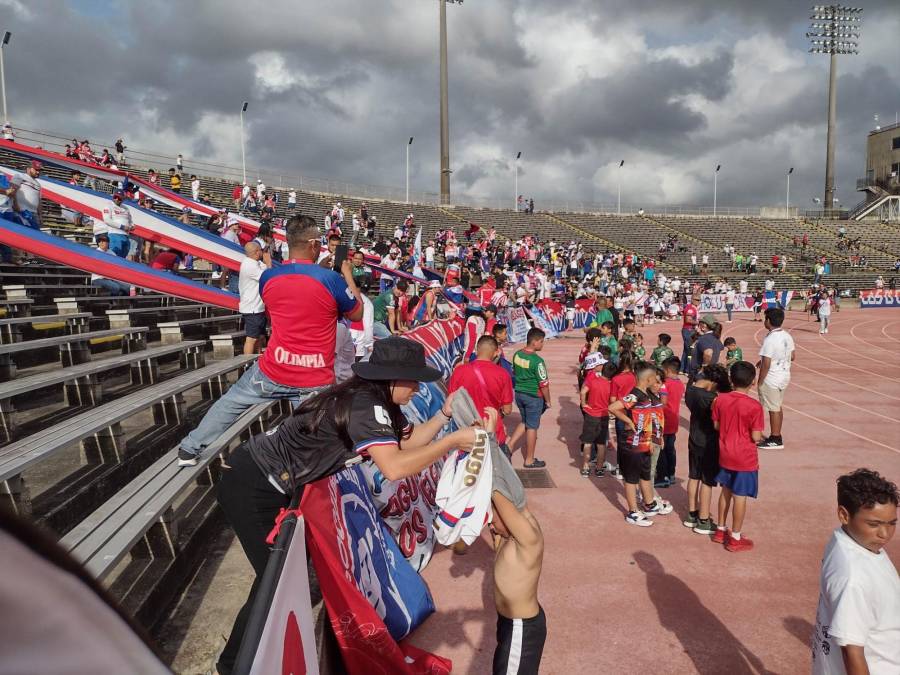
pixel 663 599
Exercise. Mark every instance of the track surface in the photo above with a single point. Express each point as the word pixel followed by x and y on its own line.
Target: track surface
pixel 663 599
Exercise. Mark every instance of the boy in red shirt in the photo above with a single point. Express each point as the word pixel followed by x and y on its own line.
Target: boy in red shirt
pixel 489 384
pixel 595 406
pixel 740 422
pixel 671 393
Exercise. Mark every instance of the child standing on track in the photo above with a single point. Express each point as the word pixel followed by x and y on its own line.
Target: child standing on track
pixel 703 445
pixel 733 353
pixel 595 406
pixel 662 351
pixel 638 349
pixel 824 312
pixel 672 392
pixel 635 414
pixel 740 422
pixel 608 339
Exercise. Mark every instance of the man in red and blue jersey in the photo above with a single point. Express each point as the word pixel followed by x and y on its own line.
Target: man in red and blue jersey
pixel 304 302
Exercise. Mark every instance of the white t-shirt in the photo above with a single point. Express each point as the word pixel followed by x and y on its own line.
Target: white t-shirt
pixel 429 253
pixel 778 346
pixel 705 259
pixel 743 285
pixel 28 196
pixel 292 197
pixel 824 306
pixel 859 604
pixel 729 296
pixel 770 285
pixel 248 285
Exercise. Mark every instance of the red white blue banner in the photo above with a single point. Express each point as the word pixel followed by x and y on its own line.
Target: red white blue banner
pixel 585 313
pixel 373 596
pixel 879 298
pixel 443 342
pixel 91 260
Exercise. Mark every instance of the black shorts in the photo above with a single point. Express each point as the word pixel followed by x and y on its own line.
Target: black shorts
pixel 635 466
pixel 255 324
pixel 703 464
pixel 595 429
pixel 520 644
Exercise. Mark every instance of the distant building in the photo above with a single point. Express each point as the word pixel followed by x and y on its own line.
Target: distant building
pixel 883 157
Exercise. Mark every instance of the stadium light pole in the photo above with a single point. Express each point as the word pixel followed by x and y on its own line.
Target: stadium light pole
pixel 6 37
pixel 516 188
pixel 407 168
pixel 243 154
pixel 715 187
pixel 834 31
pixel 445 117
pixel 619 200
pixel 787 202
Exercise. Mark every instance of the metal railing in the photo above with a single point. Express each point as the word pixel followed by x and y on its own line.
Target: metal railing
pixel 284 179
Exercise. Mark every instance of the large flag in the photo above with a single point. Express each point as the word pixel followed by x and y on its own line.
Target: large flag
pixel 540 321
pixel 373 596
pixel 585 312
pixel 87 259
pixel 554 313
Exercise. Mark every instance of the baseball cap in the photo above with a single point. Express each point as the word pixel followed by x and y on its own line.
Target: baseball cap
pixel 35 164
pixel 593 360
pixel 118 194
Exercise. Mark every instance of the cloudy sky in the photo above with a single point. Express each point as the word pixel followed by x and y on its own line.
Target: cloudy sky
pixel 336 88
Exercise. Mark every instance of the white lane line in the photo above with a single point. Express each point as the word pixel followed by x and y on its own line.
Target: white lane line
pixel 871 344
pixel 884 328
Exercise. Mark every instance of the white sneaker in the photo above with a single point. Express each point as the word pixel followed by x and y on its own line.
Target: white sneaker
pixel 639 519
pixel 216 275
pixel 660 508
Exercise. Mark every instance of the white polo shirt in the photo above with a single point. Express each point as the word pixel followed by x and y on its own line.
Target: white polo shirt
pixel 248 285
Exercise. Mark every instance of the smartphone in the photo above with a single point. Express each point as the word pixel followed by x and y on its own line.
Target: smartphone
pixel 340 255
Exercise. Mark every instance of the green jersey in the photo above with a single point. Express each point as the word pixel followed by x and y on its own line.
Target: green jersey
pixel 613 344
pixel 529 372
pixel 660 354
pixel 381 304
pixel 639 352
pixel 603 315
pixel 733 356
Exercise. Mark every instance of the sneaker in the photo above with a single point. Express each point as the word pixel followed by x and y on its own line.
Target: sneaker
pixel 721 536
pixel 216 275
pixel 618 475
pixel 662 483
pixel 536 464
pixel 660 507
pixel 586 471
pixel 690 521
pixel 706 526
pixel 600 472
pixel 186 458
pixel 638 518
pixel 771 443
pixel 738 545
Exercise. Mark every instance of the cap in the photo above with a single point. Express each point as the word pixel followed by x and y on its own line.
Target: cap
pixel 434 283
pixel 490 307
pixel 593 360
pixel 35 164
pixel 118 194
pixel 709 320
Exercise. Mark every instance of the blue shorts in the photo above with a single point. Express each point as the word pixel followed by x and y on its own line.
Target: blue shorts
pixel 531 408
pixel 119 244
pixel 741 483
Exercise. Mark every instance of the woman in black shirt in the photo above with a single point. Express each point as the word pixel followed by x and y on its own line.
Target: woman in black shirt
pixel 340 426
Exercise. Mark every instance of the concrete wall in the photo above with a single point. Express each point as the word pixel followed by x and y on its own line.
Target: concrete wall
pixel 880 154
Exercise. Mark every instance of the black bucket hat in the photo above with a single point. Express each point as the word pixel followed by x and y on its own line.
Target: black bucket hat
pixel 396 358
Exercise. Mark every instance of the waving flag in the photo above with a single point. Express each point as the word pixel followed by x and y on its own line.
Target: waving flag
pixel 373 596
pixel 540 321
pixel 554 313
pixel 585 312
pixel 417 254
pixel 88 259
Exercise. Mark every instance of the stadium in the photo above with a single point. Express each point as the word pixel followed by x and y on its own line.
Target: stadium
pixel 166 308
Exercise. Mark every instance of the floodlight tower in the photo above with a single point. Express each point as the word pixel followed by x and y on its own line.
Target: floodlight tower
pixel 834 31
pixel 445 117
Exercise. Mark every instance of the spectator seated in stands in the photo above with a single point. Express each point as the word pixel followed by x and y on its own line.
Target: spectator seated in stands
pixel 166 260
pixel 111 286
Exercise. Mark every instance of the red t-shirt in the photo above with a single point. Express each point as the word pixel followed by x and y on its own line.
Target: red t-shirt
pixel 489 385
pixel 738 415
pixel 489 326
pixel 597 394
pixel 671 393
pixel 689 310
pixel 622 384
pixel 304 302
pixel 165 260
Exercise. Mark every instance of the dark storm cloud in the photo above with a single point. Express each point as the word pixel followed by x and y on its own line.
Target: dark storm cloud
pixel 363 78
